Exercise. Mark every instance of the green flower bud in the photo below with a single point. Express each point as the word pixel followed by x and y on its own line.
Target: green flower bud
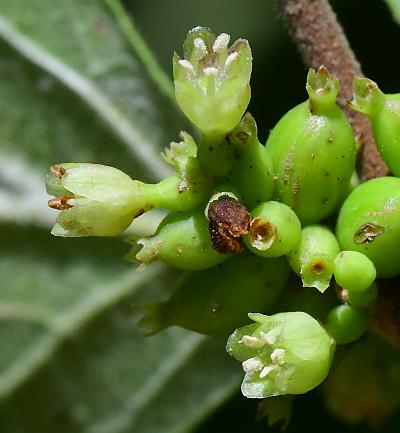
pixel 252 167
pixel 346 324
pixel 384 112
pixel 190 187
pixel 354 271
pixel 313 151
pixel 364 383
pixel 212 81
pixel 369 222
pixel 217 300
pixel 182 241
pixel 314 256
pixel 94 200
pixel 274 230
pixel 287 353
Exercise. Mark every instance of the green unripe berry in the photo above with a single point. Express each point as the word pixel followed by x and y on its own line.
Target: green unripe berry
pixel 346 324
pixel 354 271
pixel 364 300
pixel 274 230
pixel 314 256
pixel 252 165
pixel 287 353
pixel 313 151
pixel 384 112
pixel 363 385
pixel 217 300
pixel 182 241
pixel 369 222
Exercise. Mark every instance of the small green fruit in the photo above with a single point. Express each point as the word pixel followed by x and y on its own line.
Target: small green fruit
pixel 346 324
pixel 182 241
pixel 314 256
pixel 354 271
pixel 274 230
pixel 217 300
pixel 369 222
pixel 313 151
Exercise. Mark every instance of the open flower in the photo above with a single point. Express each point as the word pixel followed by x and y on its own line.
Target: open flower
pixel 94 200
pixel 287 353
pixel 212 81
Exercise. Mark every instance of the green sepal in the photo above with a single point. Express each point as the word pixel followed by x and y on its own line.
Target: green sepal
pixel 322 89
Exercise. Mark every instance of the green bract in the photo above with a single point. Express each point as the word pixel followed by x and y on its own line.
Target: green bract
pixel 274 230
pixel 182 241
pixel 252 166
pixel 313 151
pixel 94 200
pixel 369 222
pixel 212 81
pixel 384 112
pixel 217 300
pixel 314 256
pixel 287 353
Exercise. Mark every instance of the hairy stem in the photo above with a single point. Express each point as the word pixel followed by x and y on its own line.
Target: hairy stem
pixel 321 40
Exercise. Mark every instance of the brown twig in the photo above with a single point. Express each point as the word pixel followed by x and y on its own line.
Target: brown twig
pixel 321 40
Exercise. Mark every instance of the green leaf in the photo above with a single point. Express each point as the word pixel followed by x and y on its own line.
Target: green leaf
pixel 71 357
pixel 67 328
pixel 90 57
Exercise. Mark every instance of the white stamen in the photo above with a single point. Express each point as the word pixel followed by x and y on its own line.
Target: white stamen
pixel 200 46
pixel 221 42
pixel 210 71
pixel 268 338
pixel 278 356
pixel 230 59
pixel 267 370
pixel 252 364
pixel 253 342
pixel 187 65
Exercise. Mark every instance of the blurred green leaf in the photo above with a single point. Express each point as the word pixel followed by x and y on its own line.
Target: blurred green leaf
pixel 69 344
pixel 71 359
pixel 394 6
